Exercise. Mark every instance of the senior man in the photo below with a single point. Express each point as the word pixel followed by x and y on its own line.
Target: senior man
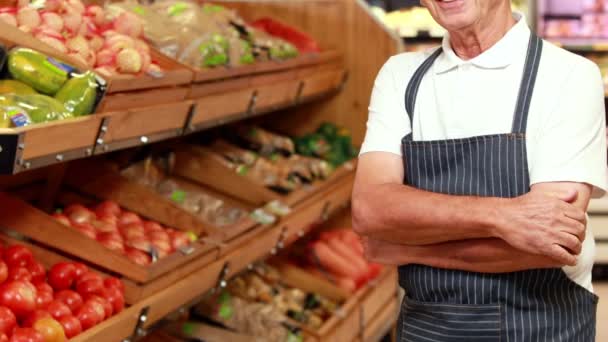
pixel 474 177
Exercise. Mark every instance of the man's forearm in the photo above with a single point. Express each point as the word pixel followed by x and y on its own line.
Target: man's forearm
pixel 402 214
pixel 477 255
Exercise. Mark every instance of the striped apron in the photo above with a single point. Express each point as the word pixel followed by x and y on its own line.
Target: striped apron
pixel 451 305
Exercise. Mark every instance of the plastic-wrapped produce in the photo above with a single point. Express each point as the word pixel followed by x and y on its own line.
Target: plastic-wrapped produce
pixel 23 110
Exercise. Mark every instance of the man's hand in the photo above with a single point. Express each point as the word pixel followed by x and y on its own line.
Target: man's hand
pixel 544 223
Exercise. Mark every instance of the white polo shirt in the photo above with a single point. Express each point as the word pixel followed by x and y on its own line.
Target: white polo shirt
pixel 566 137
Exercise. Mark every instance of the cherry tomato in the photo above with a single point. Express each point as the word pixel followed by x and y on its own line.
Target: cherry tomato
pixel 115 297
pixel 19 273
pixel 58 309
pixel 87 317
pixel 114 282
pixel 107 306
pixel 38 272
pixel 81 269
pixel 70 298
pixel 3 272
pixel 33 317
pixel 62 275
pixel 51 330
pixel 89 287
pixel 43 299
pixel 71 326
pixel 19 296
pixel 26 335
pixel 18 256
pixel 8 321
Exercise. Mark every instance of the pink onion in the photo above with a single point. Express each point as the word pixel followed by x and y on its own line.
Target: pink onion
pixel 78 57
pixel 28 17
pixel 72 21
pixel 95 43
pixel 106 71
pixel 145 60
pixel 54 43
pixel 52 5
pixel 45 31
pixel 129 24
pixel 142 46
pixel 97 14
pixel 119 42
pixel 106 57
pixel 52 20
pixel 23 3
pixel 9 19
pixel 128 61
pixel 78 45
pixel 75 5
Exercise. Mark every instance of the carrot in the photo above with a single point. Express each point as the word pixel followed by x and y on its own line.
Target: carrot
pixel 333 262
pixel 346 252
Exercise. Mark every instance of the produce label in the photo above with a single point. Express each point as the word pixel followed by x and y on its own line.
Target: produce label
pixel 58 67
pixel 19 117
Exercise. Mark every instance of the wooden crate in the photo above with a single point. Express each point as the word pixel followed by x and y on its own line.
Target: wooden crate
pixel 378 292
pixel 383 322
pixel 200 166
pixel 126 101
pixel 35 224
pixel 342 326
pixel 104 181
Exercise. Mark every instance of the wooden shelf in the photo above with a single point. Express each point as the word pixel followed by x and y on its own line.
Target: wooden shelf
pixel 144 117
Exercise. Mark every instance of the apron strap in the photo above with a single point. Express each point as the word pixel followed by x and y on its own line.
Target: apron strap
pixel 411 93
pixel 520 118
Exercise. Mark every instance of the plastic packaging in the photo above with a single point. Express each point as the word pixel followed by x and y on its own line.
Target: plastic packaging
pixel 23 110
pixel 78 94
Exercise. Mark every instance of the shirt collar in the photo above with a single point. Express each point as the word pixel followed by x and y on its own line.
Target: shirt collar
pixel 500 55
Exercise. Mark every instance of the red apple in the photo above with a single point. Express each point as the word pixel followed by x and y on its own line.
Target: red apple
pixel 179 239
pixel 151 226
pixel 38 272
pixel 110 219
pixel 162 245
pixel 26 335
pixel 81 269
pixel 74 207
pixel 8 321
pixel 70 298
pixel 43 299
pixel 86 229
pixel 107 208
pixel 110 242
pixel 114 282
pixel 71 326
pixel 62 219
pixel 58 309
pixel 139 242
pixel 18 256
pixel 62 275
pixel 138 257
pixel 3 272
pixel 80 215
pixel 19 273
pixel 127 217
pixel 132 230
pixel 33 317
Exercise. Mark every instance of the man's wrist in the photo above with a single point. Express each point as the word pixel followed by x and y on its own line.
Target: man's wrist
pixel 491 217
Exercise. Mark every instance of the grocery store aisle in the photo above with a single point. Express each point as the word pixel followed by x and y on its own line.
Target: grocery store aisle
pixel 601 289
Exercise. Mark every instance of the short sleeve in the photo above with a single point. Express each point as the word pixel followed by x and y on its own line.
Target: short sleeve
pixel 571 146
pixel 387 122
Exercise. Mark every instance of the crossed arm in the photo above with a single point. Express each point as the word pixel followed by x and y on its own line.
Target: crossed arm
pixel 403 225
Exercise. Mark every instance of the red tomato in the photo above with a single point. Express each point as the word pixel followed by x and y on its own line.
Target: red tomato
pixel 19 296
pixel 107 306
pixel 33 317
pixel 44 287
pixel 8 321
pixel 108 207
pixel 43 299
pixel 115 297
pixel 3 272
pixel 19 273
pixel 26 335
pixel 18 256
pixel 62 219
pixel 50 329
pixel 88 287
pixel 58 309
pixel 62 275
pixel 114 282
pixel 87 317
pixel 96 307
pixel 70 298
pixel 91 275
pixel 71 326
pixel 38 272
pixel 3 337
pixel 81 269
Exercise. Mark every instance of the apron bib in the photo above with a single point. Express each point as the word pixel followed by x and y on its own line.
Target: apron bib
pixel 451 305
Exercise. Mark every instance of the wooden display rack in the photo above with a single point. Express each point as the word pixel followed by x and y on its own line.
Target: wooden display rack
pixel 200 166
